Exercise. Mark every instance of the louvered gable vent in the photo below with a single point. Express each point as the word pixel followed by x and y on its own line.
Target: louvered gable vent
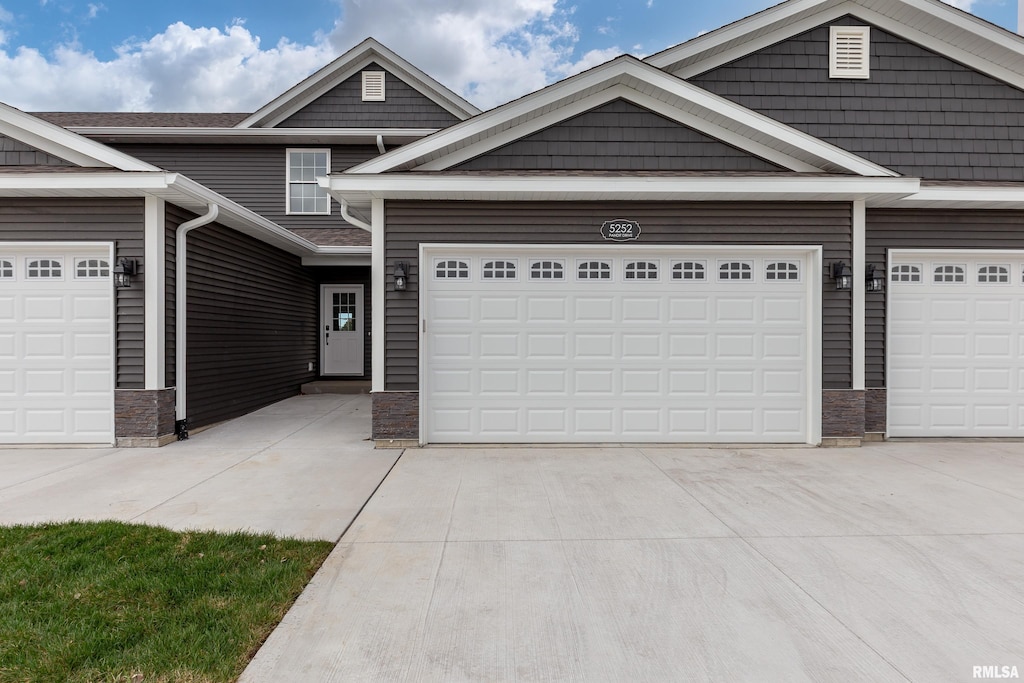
pixel 373 86
pixel 849 52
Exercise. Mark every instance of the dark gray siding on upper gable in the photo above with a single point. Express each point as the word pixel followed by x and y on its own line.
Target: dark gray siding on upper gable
pixel 920 113
pixel 927 229
pixel 343 107
pixel 255 176
pixel 619 136
pixel 16 153
pixel 121 221
pixel 410 223
pixel 252 324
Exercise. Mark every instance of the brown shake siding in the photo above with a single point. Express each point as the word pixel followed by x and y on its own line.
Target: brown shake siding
pixel 409 223
pixel 121 221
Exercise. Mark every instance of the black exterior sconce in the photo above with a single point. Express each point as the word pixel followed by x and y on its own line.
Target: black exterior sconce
pixel 123 272
pixel 841 274
pixel 401 276
pixel 874 283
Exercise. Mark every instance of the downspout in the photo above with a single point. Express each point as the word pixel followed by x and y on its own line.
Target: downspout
pixel 380 138
pixel 349 218
pixel 181 314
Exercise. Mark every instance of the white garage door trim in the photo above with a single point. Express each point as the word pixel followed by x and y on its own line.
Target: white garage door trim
pixel 810 326
pixel 97 426
pixel 955 348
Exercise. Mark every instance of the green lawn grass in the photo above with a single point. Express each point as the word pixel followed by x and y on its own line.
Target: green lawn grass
pixel 117 602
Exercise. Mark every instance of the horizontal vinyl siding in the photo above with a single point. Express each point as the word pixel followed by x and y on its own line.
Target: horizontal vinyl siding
pixel 919 113
pixel 255 176
pixel 343 107
pixel 174 216
pixel 252 322
pixel 121 221
pixel 619 136
pixel 922 229
pixel 410 223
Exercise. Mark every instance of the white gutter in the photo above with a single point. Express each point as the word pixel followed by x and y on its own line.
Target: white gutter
pixel 181 310
pixel 352 220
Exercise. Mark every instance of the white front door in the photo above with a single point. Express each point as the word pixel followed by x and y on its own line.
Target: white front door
pixel 56 343
pixel 341 330
pixel 575 344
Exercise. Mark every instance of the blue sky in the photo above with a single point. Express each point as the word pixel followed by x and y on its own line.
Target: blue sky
pixel 234 55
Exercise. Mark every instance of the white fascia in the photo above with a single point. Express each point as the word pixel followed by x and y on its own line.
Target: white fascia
pixel 102 180
pixel 979 197
pixel 551 188
pixel 367 135
pixel 62 143
pixel 154 265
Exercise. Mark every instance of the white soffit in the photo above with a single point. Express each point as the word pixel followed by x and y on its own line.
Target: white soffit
pixel 625 78
pixel 932 24
pixel 344 67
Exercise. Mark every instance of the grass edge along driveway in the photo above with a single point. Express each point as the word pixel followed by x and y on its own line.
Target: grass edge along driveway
pixel 107 601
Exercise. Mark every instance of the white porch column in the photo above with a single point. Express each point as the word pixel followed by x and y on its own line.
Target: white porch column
pixel 859 268
pixel 378 278
pixel 156 293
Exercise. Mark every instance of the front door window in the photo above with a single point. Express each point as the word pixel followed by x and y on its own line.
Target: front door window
pixel 344 312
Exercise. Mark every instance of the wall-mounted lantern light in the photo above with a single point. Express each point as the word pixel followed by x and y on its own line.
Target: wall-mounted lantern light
pixel 873 282
pixel 841 274
pixel 401 276
pixel 123 272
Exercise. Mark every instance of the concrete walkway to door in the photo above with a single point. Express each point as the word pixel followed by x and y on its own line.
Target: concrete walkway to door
pixel 892 562
pixel 301 467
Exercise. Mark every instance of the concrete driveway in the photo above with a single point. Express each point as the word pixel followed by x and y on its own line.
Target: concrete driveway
pixel 302 467
pixel 892 562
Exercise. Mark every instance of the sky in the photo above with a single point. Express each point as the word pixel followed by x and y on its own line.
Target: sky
pixel 235 55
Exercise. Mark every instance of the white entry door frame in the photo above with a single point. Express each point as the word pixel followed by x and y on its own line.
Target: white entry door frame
pixel 342 328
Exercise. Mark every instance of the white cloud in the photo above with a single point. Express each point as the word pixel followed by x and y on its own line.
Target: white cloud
pixel 965 5
pixel 94 10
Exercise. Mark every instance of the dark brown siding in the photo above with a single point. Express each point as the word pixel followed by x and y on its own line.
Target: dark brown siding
pixel 920 113
pixel 351 275
pixel 174 216
pixel 252 175
pixel 16 153
pixel 343 107
pixel 619 136
pixel 921 229
pixel 121 221
pixel 409 223
pixel 252 319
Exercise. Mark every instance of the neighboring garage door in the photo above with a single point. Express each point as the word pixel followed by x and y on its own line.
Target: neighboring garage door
pixel 56 344
pixel 583 344
pixel 956 349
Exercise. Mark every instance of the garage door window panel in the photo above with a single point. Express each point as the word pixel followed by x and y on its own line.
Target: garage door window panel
pixel 44 269
pixel 783 270
pixel 994 275
pixel 500 270
pixel 91 268
pixel 594 270
pixel 547 270
pixel 689 270
pixel 906 273
pixel 6 269
pixel 446 269
pixel 641 270
pixel 734 271
pixel 949 274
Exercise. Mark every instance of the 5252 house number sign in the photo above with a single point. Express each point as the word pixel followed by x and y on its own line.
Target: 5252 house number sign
pixel 620 230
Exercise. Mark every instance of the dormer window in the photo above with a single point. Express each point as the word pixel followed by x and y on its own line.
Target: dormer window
pixel 849 53
pixel 373 86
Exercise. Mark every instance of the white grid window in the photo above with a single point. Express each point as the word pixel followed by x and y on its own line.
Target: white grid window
pixel 44 268
pixel 6 269
pixel 452 270
pixel 91 268
pixel 547 270
pixel 304 194
pixel 994 275
pixel 949 274
pixel 500 270
pixel 905 273
pixel 735 270
pixel 594 270
pixel 689 270
pixel 641 270
pixel 782 271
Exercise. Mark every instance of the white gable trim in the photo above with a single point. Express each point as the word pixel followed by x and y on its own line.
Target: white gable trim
pixel 625 77
pixel 1001 56
pixel 343 68
pixel 62 143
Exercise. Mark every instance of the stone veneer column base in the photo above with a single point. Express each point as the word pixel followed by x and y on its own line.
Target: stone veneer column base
pixel 396 419
pixel 143 418
pixel 876 424
pixel 842 417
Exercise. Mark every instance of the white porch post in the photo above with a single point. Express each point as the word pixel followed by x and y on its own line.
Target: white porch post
pixel 859 269
pixel 156 293
pixel 378 279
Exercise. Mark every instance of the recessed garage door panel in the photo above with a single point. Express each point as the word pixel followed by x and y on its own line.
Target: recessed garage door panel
pixel 56 347
pixel 956 350
pixel 613 357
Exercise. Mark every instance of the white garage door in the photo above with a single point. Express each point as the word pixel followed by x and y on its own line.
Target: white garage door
pixel 956 349
pixel 619 344
pixel 56 344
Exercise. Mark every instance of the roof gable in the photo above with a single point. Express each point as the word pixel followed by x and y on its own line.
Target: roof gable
pixel 16 153
pixel 933 24
pixel 344 67
pixel 628 79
